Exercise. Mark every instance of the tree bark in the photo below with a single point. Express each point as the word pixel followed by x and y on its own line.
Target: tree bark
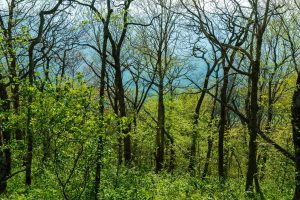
pixel 122 108
pixel 160 135
pixel 296 135
pixel 208 155
pixel 223 122
pixel 253 127
pixel 5 155
pixel 29 130
pixel 196 121
pixel 99 149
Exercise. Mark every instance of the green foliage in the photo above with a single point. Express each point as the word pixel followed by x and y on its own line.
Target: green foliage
pixel 66 128
pixel 71 136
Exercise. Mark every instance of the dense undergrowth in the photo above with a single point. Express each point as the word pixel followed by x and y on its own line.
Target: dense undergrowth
pixel 136 184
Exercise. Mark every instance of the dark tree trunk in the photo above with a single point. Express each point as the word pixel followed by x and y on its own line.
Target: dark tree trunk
pixel 223 122
pixel 296 135
pixel 262 159
pixel 46 138
pixel 14 79
pixel 253 127
pixel 99 149
pixel 3 165
pixel 208 156
pixel 210 138
pixel 122 108
pixel 160 135
pixel 196 121
pixel 28 162
pixel 5 155
pixel 120 151
pixel 16 96
pixel 135 154
pixel 98 166
pixel 120 94
pixel 253 124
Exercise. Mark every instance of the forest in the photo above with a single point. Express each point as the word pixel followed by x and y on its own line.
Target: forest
pixel 149 99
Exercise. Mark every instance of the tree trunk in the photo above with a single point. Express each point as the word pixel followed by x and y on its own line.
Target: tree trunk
pixel 208 155
pixel 5 155
pixel 99 149
pixel 253 127
pixel 223 122
pixel 122 108
pixel 15 95
pixel 29 118
pixel 160 136
pixel 196 121
pixel 210 138
pixel 296 135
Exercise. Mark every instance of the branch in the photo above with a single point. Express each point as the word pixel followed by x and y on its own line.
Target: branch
pixel 143 25
pixel 11 175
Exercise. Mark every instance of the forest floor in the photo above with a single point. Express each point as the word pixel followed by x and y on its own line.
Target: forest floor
pixel 137 185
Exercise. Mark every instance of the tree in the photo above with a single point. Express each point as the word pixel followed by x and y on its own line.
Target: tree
pixel 211 66
pixel 293 44
pixel 160 53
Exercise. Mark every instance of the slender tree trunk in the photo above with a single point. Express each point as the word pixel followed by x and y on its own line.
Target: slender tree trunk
pixel 160 136
pixel 99 149
pixel 46 138
pixel 5 155
pixel 223 122
pixel 29 118
pixel 98 166
pixel 253 124
pixel 171 139
pixel 3 166
pixel 16 96
pixel 208 155
pixel 196 121
pixel 210 138
pixel 263 157
pixel 296 135
pixel 122 108
pixel 253 127
pixel 116 47
pixel 14 79
pixel 135 154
